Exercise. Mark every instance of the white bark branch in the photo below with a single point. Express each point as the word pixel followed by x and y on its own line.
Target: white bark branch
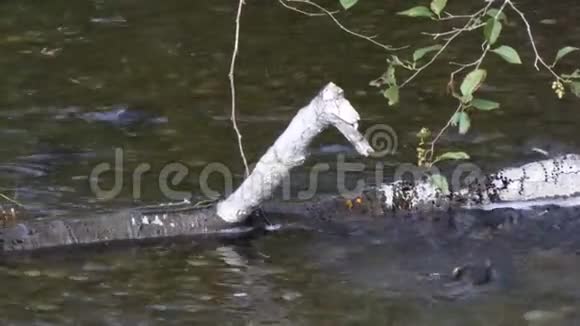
pixel 328 108
pixel 555 181
pixel 553 178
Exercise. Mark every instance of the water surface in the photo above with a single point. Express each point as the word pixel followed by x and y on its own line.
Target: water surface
pixel 81 78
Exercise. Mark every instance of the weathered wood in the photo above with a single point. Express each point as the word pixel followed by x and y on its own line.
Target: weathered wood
pixel 328 108
pixel 518 187
pixel 164 221
pixel 553 181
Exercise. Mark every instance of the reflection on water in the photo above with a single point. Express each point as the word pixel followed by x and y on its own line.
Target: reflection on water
pixel 287 278
pixel 82 78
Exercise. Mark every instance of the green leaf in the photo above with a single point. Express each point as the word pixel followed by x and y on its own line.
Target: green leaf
pixel 440 182
pixel 379 81
pixel 548 21
pixel 466 99
pixel 437 6
pixel 395 60
pixel 575 88
pixel 472 81
pixel 347 4
pixel 391 78
pixel 464 123
pixel 452 156
pixel 392 94
pixel 564 52
pixel 484 105
pixel 492 30
pixel 495 13
pixel 420 11
pixel 420 53
pixel 455 119
pixel 508 54
pixel 574 75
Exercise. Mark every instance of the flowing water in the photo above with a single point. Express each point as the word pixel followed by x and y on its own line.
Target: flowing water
pixel 81 79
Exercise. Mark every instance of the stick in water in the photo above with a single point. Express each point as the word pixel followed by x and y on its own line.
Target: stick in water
pixel 328 108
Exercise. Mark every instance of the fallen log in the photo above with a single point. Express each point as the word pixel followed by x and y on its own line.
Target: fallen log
pixel 234 214
pixel 422 201
pixel 550 182
pixel 553 181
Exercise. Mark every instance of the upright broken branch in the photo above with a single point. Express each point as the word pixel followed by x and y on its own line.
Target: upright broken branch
pixel 328 108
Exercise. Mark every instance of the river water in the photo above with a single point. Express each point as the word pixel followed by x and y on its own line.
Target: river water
pixel 84 78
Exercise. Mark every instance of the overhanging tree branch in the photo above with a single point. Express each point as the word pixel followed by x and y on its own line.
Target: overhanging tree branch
pixel 233 86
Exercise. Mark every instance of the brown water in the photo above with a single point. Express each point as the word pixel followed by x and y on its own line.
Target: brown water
pixel 168 62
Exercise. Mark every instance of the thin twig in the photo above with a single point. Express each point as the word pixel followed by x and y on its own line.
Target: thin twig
pixel 442 131
pixel 233 87
pixel 477 63
pixel 423 67
pixel 10 200
pixel 437 35
pixel 330 14
pixel 466 27
pixel 306 13
pixel 533 42
pixel 449 16
pixel 454 30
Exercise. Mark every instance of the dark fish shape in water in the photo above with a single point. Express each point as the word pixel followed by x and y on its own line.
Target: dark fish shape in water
pixel 334 149
pixel 117 115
